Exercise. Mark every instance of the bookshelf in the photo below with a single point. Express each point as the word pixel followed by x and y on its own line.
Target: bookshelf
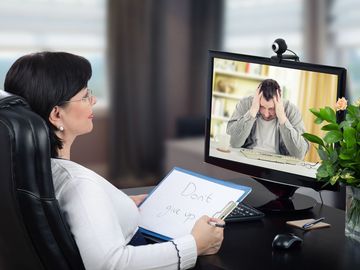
pixel 232 80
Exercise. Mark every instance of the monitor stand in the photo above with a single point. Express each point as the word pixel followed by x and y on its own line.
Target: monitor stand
pixel 286 199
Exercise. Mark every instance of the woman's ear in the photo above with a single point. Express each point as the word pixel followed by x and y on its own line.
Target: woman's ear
pixel 54 117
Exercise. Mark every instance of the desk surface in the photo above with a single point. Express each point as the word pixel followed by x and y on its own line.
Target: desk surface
pixel 235 154
pixel 247 245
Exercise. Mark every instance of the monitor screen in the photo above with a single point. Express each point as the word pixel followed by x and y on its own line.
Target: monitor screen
pixel 258 110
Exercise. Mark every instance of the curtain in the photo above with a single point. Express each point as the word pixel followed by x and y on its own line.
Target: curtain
pixel 157 52
pixel 317 91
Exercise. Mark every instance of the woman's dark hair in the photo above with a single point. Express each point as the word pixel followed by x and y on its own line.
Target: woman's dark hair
pixel 268 87
pixel 47 79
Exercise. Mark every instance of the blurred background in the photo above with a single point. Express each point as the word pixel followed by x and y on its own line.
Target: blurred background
pixel 149 60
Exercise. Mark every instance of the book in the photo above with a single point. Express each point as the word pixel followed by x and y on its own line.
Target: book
pixel 181 198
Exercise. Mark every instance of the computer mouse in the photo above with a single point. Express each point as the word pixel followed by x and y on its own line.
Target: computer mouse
pixel 286 241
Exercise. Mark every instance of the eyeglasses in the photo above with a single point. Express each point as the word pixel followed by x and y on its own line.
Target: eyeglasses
pixel 309 165
pixel 89 98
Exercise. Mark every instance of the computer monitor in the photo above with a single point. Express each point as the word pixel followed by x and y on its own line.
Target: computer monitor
pixel 256 139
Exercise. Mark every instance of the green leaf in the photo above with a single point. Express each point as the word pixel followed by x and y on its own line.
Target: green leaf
pixel 328 114
pixel 321 172
pixel 330 169
pixel 347 153
pixel 344 124
pixel 350 136
pixel 358 127
pixel 313 138
pixel 345 157
pixel 346 174
pixel 346 164
pixel 351 181
pixel 315 112
pixel 331 127
pixel 334 179
pixel 333 157
pixel 333 136
pixel 318 121
pixel 357 160
pixel 353 111
pixel 349 118
pixel 322 154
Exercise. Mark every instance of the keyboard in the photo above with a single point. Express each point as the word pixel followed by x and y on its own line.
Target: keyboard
pixel 250 153
pixel 244 212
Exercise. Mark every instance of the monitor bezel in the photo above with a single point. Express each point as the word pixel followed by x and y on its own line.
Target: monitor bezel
pixel 258 172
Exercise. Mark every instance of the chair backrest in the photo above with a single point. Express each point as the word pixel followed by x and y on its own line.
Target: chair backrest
pixel 33 232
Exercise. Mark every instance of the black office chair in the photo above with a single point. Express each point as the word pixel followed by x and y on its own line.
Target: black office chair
pixel 33 232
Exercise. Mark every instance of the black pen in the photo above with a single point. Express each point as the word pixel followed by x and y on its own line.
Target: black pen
pixel 311 223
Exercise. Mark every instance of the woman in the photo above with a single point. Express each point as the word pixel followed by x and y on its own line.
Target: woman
pixel 102 219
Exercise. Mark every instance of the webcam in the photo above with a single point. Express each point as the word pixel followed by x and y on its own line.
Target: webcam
pixel 279 47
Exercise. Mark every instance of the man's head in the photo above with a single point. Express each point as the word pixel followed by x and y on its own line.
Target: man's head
pixel 269 89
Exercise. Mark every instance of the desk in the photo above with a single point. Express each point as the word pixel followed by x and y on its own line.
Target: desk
pixel 304 168
pixel 247 245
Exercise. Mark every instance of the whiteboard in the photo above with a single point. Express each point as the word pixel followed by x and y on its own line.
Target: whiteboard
pixel 181 198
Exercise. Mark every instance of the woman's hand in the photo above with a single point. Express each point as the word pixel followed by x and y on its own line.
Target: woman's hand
pixel 208 238
pixel 138 199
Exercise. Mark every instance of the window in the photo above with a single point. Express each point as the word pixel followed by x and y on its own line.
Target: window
pixel 345 30
pixel 75 26
pixel 250 27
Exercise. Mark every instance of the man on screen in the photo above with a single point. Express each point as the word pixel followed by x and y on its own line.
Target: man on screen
pixel 267 123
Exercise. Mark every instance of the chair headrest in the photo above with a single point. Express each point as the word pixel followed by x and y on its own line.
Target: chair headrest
pixel 7 99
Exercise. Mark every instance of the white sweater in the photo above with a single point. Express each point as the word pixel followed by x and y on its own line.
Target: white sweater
pixel 103 220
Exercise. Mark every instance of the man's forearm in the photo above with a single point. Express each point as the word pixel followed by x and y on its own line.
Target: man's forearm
pixel 239 129
pixel 294 142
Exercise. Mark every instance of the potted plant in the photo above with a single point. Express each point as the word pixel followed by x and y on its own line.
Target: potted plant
pixel 339 151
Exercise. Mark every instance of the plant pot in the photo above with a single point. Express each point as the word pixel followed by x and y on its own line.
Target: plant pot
pixel 352 217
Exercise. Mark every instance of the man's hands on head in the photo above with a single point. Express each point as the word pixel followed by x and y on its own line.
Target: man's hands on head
pixel 279 108
pixel 279 105
pixel 255 106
